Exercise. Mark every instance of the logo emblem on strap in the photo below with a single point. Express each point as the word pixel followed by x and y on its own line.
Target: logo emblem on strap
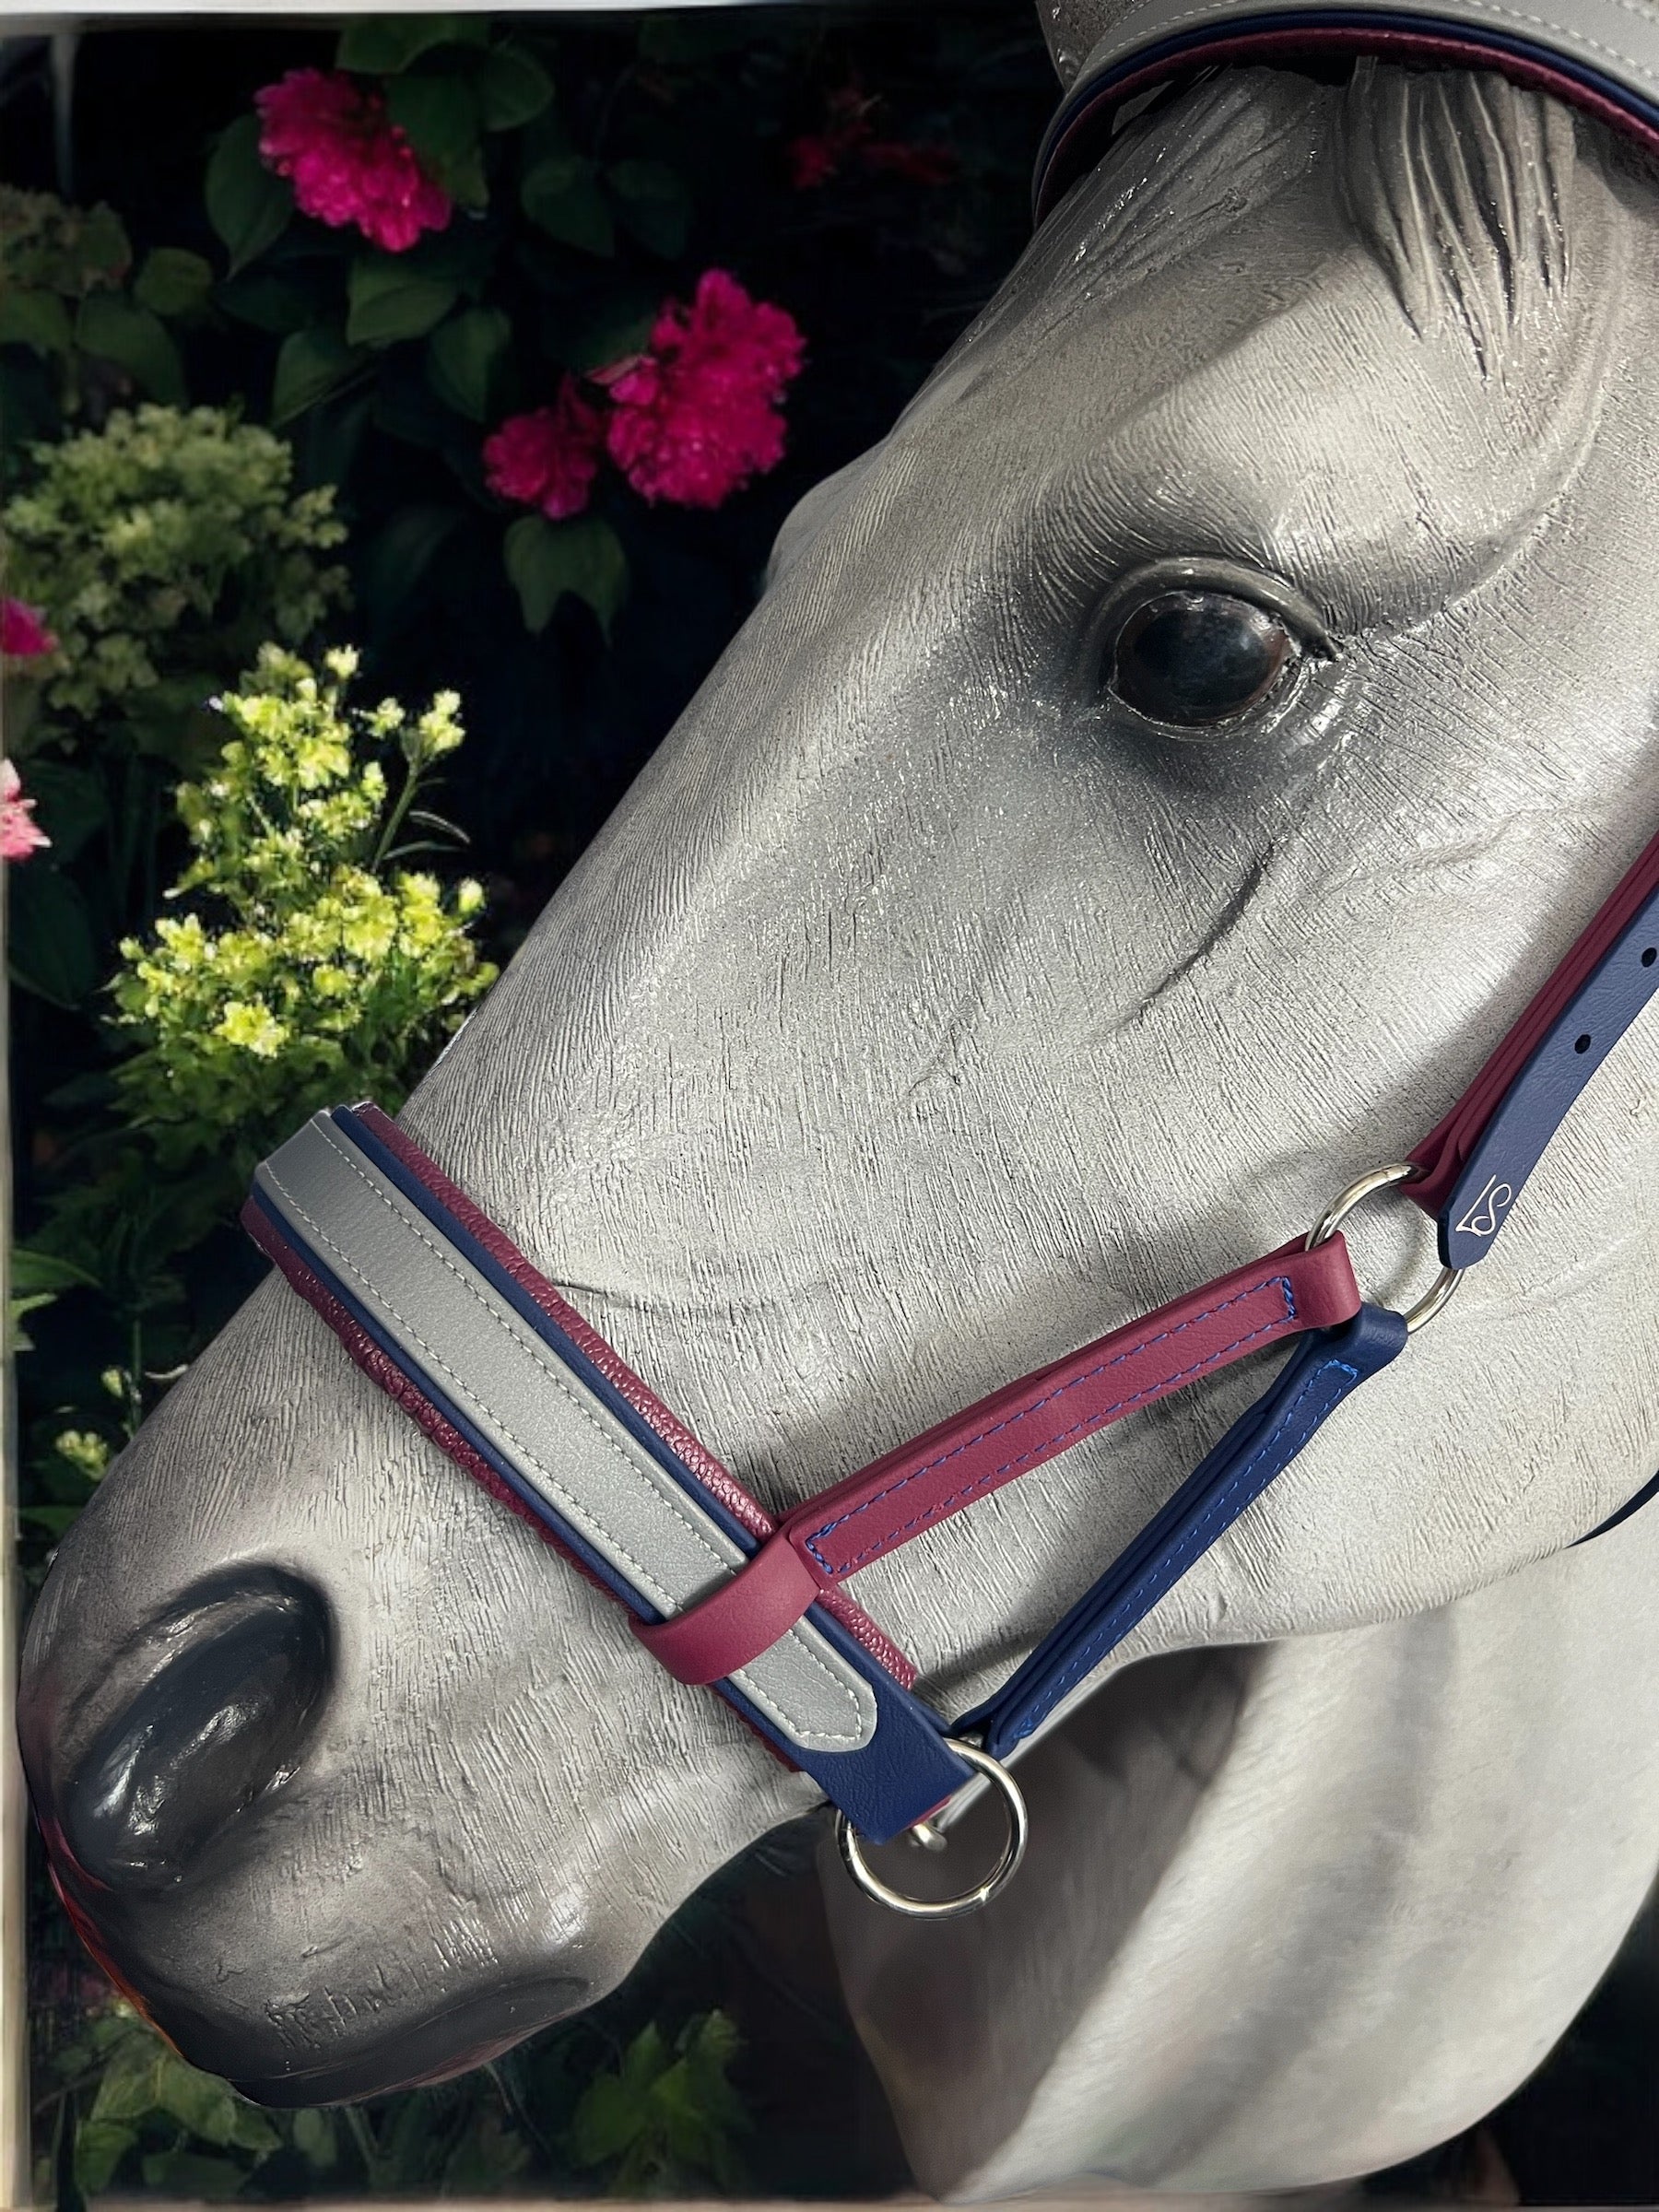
pixel 1484 1217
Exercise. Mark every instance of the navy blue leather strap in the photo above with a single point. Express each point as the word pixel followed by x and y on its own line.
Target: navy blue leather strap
pixel 1533 1107
pixel 1261 1444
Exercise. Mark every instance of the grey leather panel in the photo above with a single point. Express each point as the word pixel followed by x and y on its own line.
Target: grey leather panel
pixel 563 1441
pixel 1617 38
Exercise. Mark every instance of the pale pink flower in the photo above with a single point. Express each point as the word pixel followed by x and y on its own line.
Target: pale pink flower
pixel 549 457
pixel 347 160
pixel 698 413
pixel 19 835
pixel 23 632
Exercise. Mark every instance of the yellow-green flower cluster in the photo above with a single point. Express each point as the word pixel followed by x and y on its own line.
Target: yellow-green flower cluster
pixel 167 544
pixel 309 967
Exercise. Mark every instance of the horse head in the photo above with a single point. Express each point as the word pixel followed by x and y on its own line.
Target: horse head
pixel 1149 782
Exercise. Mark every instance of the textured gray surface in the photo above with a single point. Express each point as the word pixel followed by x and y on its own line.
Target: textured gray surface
pixel 924 1012
pixel 447 1318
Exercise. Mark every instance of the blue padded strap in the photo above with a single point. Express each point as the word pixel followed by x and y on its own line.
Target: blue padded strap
pixel 1538 1100
pixel 1261 1444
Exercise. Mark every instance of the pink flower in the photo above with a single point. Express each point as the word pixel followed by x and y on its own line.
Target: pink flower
pixel 812 159
pixel 18 835
pixel 697 415
pixel 848 133
pixel 23 632
pixel 349 162
pixel 549 458
pixel 815 159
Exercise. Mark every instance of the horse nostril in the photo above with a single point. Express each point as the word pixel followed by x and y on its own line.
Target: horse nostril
pixel 215 1726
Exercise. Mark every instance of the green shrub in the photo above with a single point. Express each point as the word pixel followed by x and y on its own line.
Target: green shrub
pixel 308 967
pixel 165 548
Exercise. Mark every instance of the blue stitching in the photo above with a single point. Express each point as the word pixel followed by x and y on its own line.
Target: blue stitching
pixel 1088 1657
pixel 1093 1421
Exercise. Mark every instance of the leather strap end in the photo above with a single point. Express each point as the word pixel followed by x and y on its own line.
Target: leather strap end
pixel 731 1627
pixel 1326 1293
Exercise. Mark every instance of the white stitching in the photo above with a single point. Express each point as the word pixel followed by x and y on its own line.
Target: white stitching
pixel 538 1353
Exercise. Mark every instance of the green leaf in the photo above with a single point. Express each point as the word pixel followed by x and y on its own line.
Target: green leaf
pixel 173 282
pixel 465 181
pixel 311 364
pixel 209 2107
pixel 54 1521
pixel 618 327
pixel 653 204
pixel 511 87
pixel 440 116
pixel 37 319
pixel 403 552
pixel 381 45
pixel 464 358
pixel 52 951
pixel 34 1271
pixel 315 2137
pixel 127 2090
pixel 270 302
pixel 561 196
pixel 70 805
pixel 104 248
pixel 136 339
pixel 606 2121
pixel 100 2146
pixel 545 560
pixel 388 303
pixel 248 204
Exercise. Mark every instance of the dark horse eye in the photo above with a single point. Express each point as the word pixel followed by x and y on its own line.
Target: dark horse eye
pixel 1197 657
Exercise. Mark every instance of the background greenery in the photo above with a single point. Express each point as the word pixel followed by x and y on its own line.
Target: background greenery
pixel 309 476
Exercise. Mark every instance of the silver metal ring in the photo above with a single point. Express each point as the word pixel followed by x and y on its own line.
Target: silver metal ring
pixel 850 1847
pixel 1440 1290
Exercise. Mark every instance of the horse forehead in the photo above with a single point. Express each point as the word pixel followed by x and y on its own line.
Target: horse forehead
pixel 1264 396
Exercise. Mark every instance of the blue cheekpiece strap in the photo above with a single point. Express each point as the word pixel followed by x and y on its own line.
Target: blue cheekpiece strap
pixel 1542 1094
pixel 1261 1444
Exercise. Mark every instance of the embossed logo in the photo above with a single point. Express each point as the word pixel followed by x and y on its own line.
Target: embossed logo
pixel 1487 1211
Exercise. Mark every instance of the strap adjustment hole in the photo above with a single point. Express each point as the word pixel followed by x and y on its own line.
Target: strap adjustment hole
pixel 1583 1043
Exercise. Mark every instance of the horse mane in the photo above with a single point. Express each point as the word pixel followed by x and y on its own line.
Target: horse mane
pixel 1460 185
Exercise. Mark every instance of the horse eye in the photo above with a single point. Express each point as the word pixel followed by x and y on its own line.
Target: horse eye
pixel 1196 657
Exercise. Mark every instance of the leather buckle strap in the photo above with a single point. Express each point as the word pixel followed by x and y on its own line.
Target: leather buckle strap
pixel 1474 1161
pixel 991 1442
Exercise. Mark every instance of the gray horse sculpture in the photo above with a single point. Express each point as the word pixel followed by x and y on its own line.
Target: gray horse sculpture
pixel 961 980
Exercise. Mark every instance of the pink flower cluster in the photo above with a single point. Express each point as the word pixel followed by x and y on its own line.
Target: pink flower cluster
pixel 689 420
pixel 549 457
pixel 23 632
pixel 19 836
pixel 849 133
pixel 347 160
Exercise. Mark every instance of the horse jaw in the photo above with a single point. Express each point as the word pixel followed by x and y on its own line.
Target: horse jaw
pixel 840 1082
pixel 1324 1902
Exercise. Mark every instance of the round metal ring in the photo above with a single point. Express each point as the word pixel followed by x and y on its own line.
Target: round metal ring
pixel 850 1847
pixel 1440 1290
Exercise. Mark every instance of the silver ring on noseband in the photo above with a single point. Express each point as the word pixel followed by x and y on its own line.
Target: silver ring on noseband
pixel 968 1901
pixel 1384 1179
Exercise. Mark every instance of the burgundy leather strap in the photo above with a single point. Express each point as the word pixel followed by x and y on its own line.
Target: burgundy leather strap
pixel 978 1450
pixel 744 1618
pixel 1448 1145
